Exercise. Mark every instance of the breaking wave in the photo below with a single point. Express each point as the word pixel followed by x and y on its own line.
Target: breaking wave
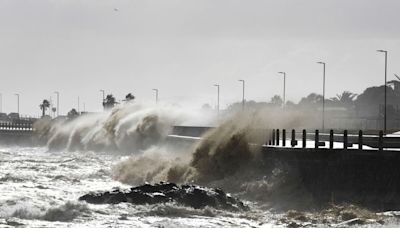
pixel 63 213
pixel 130 128
pixel 227 156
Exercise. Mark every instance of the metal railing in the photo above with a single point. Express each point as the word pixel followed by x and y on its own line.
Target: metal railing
pixel 380 141
pixel 16 127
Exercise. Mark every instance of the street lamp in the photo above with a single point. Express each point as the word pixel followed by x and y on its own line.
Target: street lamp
pixel 243 84
pixel 16 94
pixel 217 85
pixel 102 103
pixel 58 102
pixel 284 87
pixel 323 96
pixel 1 102
pixel 384 110
pixel 78 105
pixel 156 90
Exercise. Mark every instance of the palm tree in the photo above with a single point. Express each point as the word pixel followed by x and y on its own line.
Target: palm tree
pixel 109 102
pixel 345 99
pixel 129 97
pixel 72 114
pixel 43 106
pixel 276 100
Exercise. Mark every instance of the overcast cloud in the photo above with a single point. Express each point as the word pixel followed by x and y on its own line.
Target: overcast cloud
pixel 184 47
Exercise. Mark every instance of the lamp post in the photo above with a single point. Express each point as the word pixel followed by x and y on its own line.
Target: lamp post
pixel 102 102
pixel 156 90
pixel 58 102
pixel 17 94
pixel 1 102
pixel 384 109
pixel 78 104
pixel 323 95
pixel 217 85
pixel 284 87
pixel 243 84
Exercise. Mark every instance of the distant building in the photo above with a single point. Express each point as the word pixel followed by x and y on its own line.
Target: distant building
pixel 395 84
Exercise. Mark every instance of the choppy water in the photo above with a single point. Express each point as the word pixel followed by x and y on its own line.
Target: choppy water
pixel 40 189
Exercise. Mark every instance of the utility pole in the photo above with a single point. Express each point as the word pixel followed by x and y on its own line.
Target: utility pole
pixel 385 86
pixel 323 96
pixel 1 102
pixel 217 85
pixel 156 90
pixel 17 94
pixel 284 88
pixel 58 102
pixel 102 102
pixel 243 85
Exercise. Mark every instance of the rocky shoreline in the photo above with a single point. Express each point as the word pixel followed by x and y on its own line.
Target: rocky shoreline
pixel 188 195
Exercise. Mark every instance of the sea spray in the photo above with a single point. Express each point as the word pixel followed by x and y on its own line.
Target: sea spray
pixel 64 213
pixel 129 128
pixel 228 156
pixel 154 165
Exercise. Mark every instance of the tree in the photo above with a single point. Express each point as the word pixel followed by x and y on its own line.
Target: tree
pixel 290 104
pixel 370 103
pixel 276 100
pixel 206 107
pixel 345 99
pixel 109 102
pixel 43 106
pixel 54 109
pixel 72 114
pixel 129 97
pixel 311 100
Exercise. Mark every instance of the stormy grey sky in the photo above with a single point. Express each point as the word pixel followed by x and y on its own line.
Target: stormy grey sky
pixel 183 47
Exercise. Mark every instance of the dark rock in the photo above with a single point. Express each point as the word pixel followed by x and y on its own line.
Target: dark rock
pixel 187 195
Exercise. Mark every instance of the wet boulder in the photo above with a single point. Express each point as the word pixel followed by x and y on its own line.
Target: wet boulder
pixel 188 195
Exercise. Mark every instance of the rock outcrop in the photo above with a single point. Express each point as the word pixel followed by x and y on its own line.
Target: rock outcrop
pixel 187 195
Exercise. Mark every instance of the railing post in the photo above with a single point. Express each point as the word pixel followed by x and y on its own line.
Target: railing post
pixel 283 137
pixel 304 138
pixel 293 142
pixel 345 140
pixel 273 136
pixel 360 140
pixel 316 139
pixel 331 139
pixel 277 137
pixel 380 141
